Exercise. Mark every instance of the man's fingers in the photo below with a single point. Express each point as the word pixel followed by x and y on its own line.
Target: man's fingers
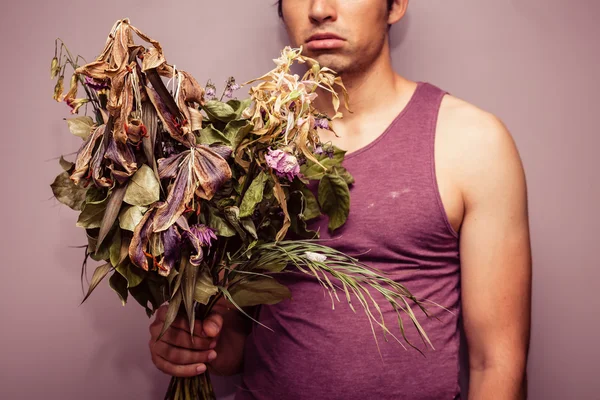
pixel 181 371
pixel 180 356
pixel 180 338
pixel 212 324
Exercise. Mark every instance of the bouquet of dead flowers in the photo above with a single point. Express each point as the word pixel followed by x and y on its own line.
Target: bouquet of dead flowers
pixel 188 199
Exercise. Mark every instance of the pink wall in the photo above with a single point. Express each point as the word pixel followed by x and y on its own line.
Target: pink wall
pixel 532 62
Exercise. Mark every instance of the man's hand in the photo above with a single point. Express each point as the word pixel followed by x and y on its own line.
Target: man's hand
pixel 175 353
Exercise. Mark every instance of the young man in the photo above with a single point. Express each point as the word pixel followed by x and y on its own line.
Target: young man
pixel 440 203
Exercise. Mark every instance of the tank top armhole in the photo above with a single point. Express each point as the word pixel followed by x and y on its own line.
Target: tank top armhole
pixel 436 188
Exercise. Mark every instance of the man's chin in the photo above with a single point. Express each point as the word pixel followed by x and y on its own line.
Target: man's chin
pixel 336 62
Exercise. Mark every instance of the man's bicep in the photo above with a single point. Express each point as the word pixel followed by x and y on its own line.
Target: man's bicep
pixel 495 250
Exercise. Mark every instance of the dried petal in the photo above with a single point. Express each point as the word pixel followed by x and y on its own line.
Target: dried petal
pixel 54 68
pixel 123 160
pixel 172 248
pixel 169 120
pixel 199 236
pixel 84 154
pixel 139 242
pixel 58 89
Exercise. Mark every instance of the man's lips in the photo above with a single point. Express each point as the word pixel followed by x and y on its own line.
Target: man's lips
pixel 324 41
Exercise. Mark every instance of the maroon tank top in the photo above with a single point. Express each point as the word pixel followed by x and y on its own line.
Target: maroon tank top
pixel 397 223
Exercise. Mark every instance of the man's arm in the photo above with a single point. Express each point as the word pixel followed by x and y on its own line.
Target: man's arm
pixel 495 259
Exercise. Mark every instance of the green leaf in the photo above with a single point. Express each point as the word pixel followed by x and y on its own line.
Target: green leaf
pixel 172 312
pixel 220 111
pixel 296 207
pixel 219 224
pixel 143 188
pixel 259 290
pixel 149 291
pixel 188 285
pixel 236 131
pixel 334 198
pixel 66 165
pixel 99 274
pixel 67 192
pixel 253 195
pixel 91 215
pixel 311 206
pixel 132 274
pixel 131 216
pixel 249 226
pixel 239 106
pixel 97 254
pixel 313 171
pixel 115 249
pixel 205 288
pixel 343 172
pixel 272 266
pixel 81 126
pixel 210 135
pixel 119 285
pixel 113 206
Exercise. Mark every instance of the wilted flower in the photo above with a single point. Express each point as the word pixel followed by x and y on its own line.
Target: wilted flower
pixel 322 123
pixel 58 89
pixel 330 152
pixel 285 164
pixel 318 150
pixel 199 236
pixel 95 84
pixel 75 104
pixel 54 68
pixel 211 93
pixel 315 257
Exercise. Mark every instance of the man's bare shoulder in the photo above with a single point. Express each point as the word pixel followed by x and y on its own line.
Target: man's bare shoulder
pixel 476 143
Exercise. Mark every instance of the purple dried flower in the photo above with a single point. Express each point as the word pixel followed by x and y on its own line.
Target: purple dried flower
pixel 199 236
pixel 284 164
pixel 330 152
pixel 319 150
pixel 94 84
pixel 211 93
pixel 322 123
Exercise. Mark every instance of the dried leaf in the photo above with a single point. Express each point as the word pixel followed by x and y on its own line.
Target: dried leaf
pixel 131 216
pixel 334 198
pixel 219 224
pixel 113 208
pixel 172 312
pixel 119 285
pixel 259 290
pixel 253 195
pixel 66 165
pixel 67 192
pixel 91 215
pixel 280 196
pixel 81 126
pixel 205 288
pixel 210 135
pixel 99 274
pixel 188 284
pixel 219 111
pixel 143 188
pixel 133 275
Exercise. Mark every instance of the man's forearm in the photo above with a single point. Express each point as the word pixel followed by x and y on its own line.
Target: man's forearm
pixel 497 383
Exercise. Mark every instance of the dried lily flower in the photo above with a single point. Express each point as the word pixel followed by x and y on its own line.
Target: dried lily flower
pixel 75 104
pixel 282 107
pixel 199 171
pixel 58 89
pixel 54 68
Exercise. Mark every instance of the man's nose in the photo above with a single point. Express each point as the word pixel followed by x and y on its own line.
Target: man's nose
pixel 322 11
